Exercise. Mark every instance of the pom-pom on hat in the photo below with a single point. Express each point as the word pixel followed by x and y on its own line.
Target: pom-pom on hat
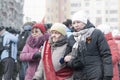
pixel 61 28
pixel 80 16
pixel 40 26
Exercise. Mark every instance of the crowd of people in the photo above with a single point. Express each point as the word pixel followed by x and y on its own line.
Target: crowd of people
pixel 72 50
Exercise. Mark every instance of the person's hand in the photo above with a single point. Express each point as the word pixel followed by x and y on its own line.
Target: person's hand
pixel 68 58
pixel 107 78
pixel 37 55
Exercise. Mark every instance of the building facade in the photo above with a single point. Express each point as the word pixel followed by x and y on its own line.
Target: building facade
pixel 99 11
pixel 57 10
pixel 119 15
pixel 11 13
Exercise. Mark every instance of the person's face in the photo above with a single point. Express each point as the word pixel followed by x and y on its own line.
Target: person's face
pixel 55 35
pixel 36 32
pixel 78 25
pixel 2 31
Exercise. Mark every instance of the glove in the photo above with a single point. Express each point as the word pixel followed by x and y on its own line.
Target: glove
pixel 107 78
pixel 36 55
pixel 61 61
pixel 75 64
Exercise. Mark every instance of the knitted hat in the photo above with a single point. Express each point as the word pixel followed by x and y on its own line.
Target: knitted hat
pixel 61 28
pixel 1 28
pixel 80 16
pixel 40 26
pixel 27 27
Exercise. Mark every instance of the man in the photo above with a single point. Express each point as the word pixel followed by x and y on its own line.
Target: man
pixel 90 49
pixel 8 55
pixel 69 28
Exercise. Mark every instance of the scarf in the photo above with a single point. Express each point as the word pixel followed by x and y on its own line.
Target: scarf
pixel 60 42
pixel 49 69
pixel 80 38
pixel 37 42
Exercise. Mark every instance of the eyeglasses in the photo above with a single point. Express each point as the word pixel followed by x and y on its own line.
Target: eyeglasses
pixel 34 31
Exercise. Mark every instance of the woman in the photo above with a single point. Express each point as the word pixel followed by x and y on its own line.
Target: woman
pixel 31 50
pixel 53 51
pixel 88 48
pixel 113 47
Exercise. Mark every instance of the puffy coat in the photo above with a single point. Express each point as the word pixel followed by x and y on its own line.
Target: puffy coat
pixel 26 55
pixel 115 55
pixel 96 59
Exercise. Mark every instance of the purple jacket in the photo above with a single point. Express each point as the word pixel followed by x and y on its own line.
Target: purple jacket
pixel 26 55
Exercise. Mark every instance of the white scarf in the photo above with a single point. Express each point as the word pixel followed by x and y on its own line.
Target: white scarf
pixel 80 38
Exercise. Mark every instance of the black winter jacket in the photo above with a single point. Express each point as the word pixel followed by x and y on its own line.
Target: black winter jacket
pixel 97 59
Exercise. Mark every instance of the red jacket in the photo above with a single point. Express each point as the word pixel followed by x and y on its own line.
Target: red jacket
pixel 115 54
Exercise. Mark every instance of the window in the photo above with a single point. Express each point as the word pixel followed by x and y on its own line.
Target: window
pixel 98 11
pixel 113 11
pixel 72 12
pixel 106 19
pixel 87 4
pixel 113 19
pixel 98 20
pixel 106 11
pixel 74 5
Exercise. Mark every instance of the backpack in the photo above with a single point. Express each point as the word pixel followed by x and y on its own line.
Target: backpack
pixel 22 39
pixel 1 44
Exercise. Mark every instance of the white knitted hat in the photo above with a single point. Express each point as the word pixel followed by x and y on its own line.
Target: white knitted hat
pixel 61 28
pixel 80 16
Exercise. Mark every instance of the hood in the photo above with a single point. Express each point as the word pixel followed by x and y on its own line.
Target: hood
pixel 89 25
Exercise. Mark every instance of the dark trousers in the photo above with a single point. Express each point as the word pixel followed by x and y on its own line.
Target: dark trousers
pixel 22 66
pixel 7 68
pixel 16 70
pixel 22 72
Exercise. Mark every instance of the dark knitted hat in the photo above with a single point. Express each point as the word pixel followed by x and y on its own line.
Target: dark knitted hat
pixel 1 28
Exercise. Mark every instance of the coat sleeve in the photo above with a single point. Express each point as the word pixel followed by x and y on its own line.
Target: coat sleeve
pixel 12 38
pixel 114 51
pixel 26 55
pixel 39 74
pixel 105 54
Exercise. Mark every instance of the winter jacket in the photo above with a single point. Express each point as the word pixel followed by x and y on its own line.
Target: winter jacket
pixel 69 32
pixel 26 55
pixel 9 39
pixel 115 55
pixel 57 52
pixel 96 59
pixel 28 52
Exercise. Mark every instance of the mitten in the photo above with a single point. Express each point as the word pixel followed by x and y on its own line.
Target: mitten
pixel 36 55
pixel 107 78
pixel 61 61
pixel 75 64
